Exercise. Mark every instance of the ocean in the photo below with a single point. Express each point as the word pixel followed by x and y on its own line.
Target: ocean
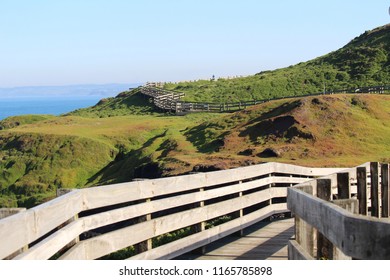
pixel 55 100
pixel 53 105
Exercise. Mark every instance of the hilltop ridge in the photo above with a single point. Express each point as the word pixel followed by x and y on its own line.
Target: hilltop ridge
pixel 364 61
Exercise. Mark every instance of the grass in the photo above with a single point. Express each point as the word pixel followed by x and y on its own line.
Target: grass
pixel 74 152
pixel 362 62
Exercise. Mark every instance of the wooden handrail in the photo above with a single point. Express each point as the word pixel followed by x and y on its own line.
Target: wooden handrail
pixel 172 203
pixel 351 235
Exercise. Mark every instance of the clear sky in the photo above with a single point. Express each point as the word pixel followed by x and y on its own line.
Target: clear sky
pixel 62 42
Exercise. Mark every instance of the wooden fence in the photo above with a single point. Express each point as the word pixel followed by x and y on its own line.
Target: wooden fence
pixel 168 100
pixel 342 216
pixel 94 222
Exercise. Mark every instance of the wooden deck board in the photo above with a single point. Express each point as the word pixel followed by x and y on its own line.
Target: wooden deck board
pixel 263 241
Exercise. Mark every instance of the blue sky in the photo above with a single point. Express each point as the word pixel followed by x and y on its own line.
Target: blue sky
pixel 47 42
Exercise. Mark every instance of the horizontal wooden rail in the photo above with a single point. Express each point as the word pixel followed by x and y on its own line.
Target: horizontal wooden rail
pixel 329 209
pixel 110 218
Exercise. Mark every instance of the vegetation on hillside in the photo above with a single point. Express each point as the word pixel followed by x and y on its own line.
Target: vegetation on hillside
pixel 125 103
pixel 15 121
pixel 123 138
pixel 74 152
pixel 363 62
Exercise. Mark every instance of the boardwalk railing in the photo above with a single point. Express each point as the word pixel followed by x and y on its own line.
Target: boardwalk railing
pixel 169 100
pixel 94 222
pixel 162 99
pixel 342 216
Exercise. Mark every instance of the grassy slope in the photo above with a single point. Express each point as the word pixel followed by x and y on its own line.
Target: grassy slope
pixel 73 151
pixel 20 120
pixel 364 61
pixel 342 130
pixel 125 103
pixel 123 137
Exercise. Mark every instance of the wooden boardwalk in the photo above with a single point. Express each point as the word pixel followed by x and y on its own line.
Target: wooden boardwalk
pixel 262 241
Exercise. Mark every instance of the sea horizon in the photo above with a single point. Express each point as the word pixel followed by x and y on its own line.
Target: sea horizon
pixel 54 100
pixel 43 105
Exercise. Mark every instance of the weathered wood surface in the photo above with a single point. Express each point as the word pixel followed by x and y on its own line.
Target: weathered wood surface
pixel 385 184
pixel 262 241
pixel 110 242
pixel 375 207
pixel 362 190
pixel 357 236
pixel 297 252
pixel 22 229
pixel 182 246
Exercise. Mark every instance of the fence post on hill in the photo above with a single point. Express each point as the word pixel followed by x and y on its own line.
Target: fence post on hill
pixel 375 208
pixel 324 246
pixel 385 190
pixel 361 174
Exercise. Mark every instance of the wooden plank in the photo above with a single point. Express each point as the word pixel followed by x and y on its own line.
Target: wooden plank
pixel 21 229
pixel 324 246
pixel 263 241
pixel 184 245
pixel 125 213
pixel 351 205
pixel 343 186
pixel 119 193
pixel 304 233
pixel 53 243
pixel 385 190
pixel 59 211
pixel 362 238
pixel 296 252
pixel 113 241
pixel 6 212
pixel 375 207
pixel 361 174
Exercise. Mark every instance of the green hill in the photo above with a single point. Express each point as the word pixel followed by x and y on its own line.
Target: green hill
pixel 123 138
pixel 365 61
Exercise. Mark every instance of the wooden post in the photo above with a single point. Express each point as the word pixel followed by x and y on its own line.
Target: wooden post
pixel 147 244
pixel 59 193
pixel 385 190
pixel 343 186
pixel 200 227
pixel 375 208
pixel 304 233
pixel 324 246
pixel 270 186
pixel 362 189
pixel 241 213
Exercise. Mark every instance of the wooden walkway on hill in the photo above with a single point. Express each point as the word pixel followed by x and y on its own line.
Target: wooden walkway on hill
pixel 262 241
pixel 170 101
